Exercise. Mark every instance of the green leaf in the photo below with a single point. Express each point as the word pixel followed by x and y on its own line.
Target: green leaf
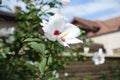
pixel 32 40
pixel 1 40
pixel 51 4
pixel 42 65
pixel 27 23
pixel 6 50
pixel 49 60
pixel 40 47
pixel 53 78
pixel 0 1
pixel 50 13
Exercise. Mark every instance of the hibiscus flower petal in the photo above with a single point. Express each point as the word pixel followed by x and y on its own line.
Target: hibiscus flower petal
pixel 44 23
pixel 71 30
pixel 57 22
pixel 45 26
pixel 102 61
pixel 62 43
pixel 97 62
pixel 50 37
pixel 73 41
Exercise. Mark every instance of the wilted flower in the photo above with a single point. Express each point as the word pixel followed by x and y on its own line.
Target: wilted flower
pixel 99 57
pixel 21 51
pixel 11 53
pixel 65 2
pixel 30 62
pixel 36 63
pixel 56 29
pixel 33 63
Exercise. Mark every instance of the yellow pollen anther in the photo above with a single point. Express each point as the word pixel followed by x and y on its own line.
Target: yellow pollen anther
pixel 62 35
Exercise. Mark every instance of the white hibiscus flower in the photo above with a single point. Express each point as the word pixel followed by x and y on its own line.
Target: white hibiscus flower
pixel 99 57
pixel 8 34
pixel 55 74
pixel 65 2
pixel 57 29
pixel 5 32
pixel 10 39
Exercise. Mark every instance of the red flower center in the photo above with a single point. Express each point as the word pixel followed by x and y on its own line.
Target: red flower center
pixel 57 32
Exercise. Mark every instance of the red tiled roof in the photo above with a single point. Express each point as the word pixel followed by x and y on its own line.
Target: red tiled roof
pixel 113 22
pixel 106 26
pixel 7 16
pixel 89 24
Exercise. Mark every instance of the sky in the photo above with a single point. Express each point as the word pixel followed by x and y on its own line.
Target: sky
pixel 93 9
pixel 86 9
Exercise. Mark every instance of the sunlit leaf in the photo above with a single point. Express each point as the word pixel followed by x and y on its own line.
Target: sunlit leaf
pixel 6 50
pixel 32 40
pixel 40 47
pixel 42 65
pixel 49 60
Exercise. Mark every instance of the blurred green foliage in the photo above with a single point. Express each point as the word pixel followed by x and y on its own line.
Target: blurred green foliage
pixel 31 56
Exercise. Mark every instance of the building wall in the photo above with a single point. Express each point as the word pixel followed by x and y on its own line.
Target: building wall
pixel 110 41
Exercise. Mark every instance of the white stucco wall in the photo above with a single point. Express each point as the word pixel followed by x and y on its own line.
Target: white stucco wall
pixel 110 41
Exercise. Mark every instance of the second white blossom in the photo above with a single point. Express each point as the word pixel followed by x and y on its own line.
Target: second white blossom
pixel 99 57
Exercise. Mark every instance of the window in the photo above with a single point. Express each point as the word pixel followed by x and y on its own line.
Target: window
pixel 116 51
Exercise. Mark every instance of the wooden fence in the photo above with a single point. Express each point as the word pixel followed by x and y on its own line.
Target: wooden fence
pixel 87 70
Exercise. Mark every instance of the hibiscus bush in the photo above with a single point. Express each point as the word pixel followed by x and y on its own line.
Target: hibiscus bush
pixel 34 50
